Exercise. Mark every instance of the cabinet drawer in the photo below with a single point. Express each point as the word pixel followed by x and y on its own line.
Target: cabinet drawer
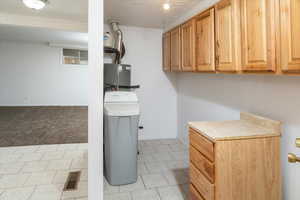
pixel 205 146
pixel 194 194
pixel 202 164
pixel 205 188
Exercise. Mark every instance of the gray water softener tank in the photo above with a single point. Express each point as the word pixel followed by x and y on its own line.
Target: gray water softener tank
pixel 121 119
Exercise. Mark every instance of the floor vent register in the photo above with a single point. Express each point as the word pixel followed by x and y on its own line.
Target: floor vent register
pixel 72 181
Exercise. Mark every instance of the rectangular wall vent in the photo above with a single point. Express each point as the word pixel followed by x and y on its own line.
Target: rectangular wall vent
pixel 75 57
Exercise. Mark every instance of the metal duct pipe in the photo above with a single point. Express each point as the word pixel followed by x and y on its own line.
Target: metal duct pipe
pixel 118 41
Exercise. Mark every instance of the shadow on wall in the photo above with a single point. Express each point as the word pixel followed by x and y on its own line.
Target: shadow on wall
pixel 172 78
pixel 222 97
pixel 277 97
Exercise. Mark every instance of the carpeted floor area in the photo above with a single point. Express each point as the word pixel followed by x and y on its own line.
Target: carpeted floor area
pixel 21 126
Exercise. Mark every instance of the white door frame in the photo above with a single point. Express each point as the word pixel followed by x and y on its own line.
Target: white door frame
pixel 95 163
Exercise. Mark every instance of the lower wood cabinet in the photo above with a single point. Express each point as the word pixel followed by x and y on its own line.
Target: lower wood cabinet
pixel 203 164
pixel 199 181
pixel 194 194
pixel 238 169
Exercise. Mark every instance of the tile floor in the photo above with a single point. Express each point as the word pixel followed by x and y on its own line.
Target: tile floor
pixel 163 173
pixel 39 172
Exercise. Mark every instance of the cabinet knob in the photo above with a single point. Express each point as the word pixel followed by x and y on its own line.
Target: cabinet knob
pixel 292 158
pixel 298 142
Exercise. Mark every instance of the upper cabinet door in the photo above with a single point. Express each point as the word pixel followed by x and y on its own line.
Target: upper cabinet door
pixel 205 41
pixel 188 46
pixel 227 26
pixel 167 51
pixel 290 35
pixel 258 35
pixel 175 50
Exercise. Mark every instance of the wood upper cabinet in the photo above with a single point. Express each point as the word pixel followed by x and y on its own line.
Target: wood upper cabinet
pixel 227 25
pixel 167 51
pixel 258 35
pixel 175 50
pixel 205 41
pixel 188 46
pixel 245 36
pixel 290 35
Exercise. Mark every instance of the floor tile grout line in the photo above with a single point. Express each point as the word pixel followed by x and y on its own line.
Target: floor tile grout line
pixel 143 182
pixel 61 194
pixel 27 186
pixel 21 168
pixel 29 175
pixel 29 197
pixel 159 195
pixel 56 172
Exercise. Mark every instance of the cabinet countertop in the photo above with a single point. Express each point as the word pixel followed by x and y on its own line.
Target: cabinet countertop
pixel 249 126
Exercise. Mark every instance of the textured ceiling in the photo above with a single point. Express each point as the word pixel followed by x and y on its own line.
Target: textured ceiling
pixel 60 9
pixel 145 13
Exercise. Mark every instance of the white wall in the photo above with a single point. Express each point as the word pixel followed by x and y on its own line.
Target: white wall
pixel 157 95
pixel 32 74
pixel 222 97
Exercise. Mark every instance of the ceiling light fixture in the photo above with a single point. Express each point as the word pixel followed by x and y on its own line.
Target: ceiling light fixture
pixel 166 6
pixel 35 4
